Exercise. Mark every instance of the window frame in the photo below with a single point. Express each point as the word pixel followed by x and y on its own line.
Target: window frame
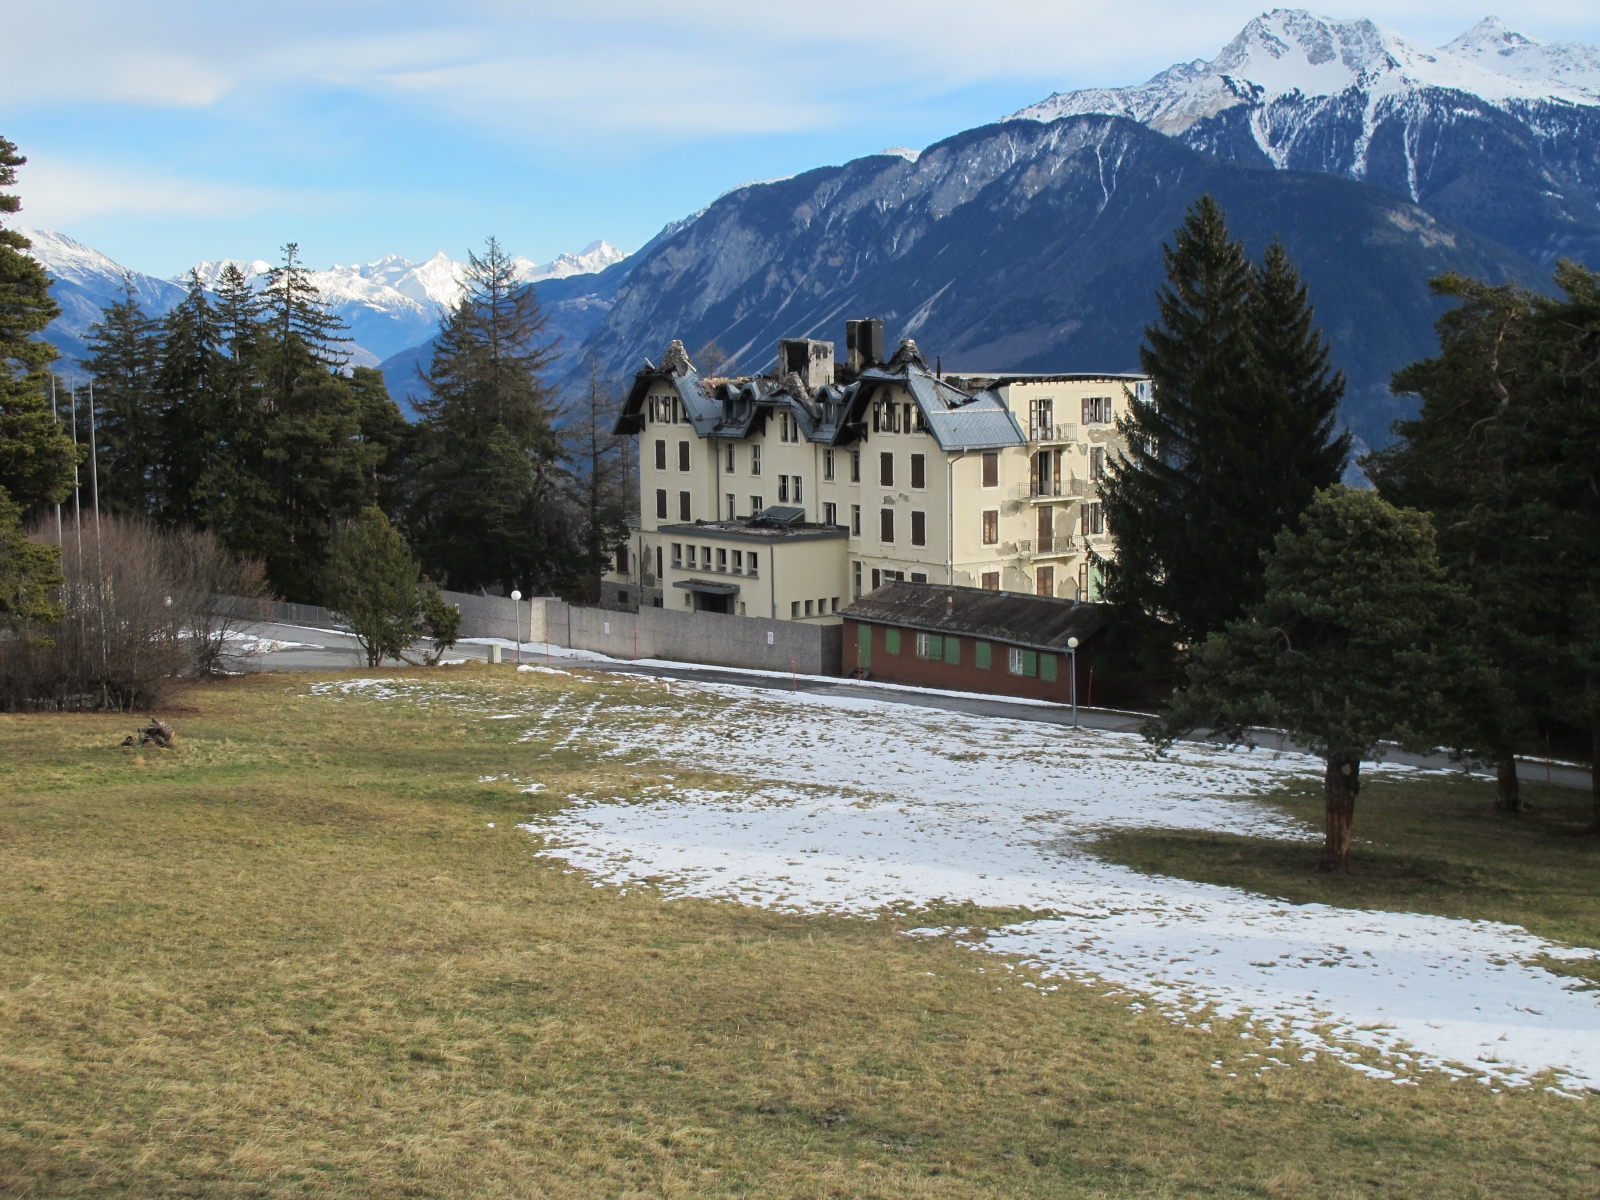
pixel 685 506
pixel 989 527
pixel 663 506
pixel 886 526
pixel 827 465
pixel 886 469
pixel 991 458
pixel 755 459
pixel 919 527
pixel 661 454
pixel 919 472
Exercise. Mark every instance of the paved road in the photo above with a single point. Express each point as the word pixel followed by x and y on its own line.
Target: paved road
pixel 331 650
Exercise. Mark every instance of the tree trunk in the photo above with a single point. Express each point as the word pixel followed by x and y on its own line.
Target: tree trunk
pixel 1508 792
pixel 1342 782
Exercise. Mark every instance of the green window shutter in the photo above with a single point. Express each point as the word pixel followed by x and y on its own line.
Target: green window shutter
pixel 1030 663
pixel 980 654
pixel 952 651
pixel 935 646
pixel 891 641
pixel 1047 667
pixel 864 646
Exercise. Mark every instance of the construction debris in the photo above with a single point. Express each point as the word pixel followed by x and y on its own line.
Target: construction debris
pixel 158 732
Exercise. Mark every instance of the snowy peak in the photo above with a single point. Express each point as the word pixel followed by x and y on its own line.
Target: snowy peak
pixel 65 258
pixel 1291 53
pixel 592 259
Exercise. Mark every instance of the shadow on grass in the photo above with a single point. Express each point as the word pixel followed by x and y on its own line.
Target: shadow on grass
pixel 1430 845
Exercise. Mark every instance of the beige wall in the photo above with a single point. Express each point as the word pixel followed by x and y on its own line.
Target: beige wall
pixel 788 572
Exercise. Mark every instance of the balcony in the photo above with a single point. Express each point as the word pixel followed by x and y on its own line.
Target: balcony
pixel 1041 432
pixel 1046 547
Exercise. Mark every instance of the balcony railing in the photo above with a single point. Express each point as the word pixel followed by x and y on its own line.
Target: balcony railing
pixel 1039 431
pixel 1066 544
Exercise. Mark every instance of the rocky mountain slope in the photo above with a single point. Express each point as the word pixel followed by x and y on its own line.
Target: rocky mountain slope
pixel 1496 131
pixel 1034 246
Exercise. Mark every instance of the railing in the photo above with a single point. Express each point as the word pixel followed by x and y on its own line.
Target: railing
pixel 1046 489
pixel 1067 544
pixel 1040 432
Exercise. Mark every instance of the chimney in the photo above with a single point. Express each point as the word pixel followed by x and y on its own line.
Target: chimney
pixel 811 360
pixel 950 604
pixel 863 344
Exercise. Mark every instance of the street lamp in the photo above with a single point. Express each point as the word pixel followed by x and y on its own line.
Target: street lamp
pixel 1072 649
pixel 516 619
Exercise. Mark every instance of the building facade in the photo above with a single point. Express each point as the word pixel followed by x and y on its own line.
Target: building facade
pixel 838 478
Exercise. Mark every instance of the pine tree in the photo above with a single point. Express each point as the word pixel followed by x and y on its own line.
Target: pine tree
pixel 1357 640
pixel 1235 440
pixel 36 456
pixel 492 504
pixel 191 384
pixel 125 356
pixel 607 484
pixel 1454 460
pixel 374 587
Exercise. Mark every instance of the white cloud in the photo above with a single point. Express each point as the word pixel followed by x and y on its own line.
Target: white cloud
pixel 57 193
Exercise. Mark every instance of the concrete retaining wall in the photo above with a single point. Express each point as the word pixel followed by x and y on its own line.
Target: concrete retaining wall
pixel 725 641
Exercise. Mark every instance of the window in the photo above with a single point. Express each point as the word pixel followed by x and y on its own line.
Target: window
pixel 692 558
pixel 886 470
pixel 980 655
pixel 757 503
pixel 652 408
pixel 855 520
pixel 661 454
pixel 730 506
pixel 738 562
pixel 622 560
pixel 753 570
pixel 1094 518
pixel 1047 667
pixel 830 514
pixel 855 580
pixel 991 468
pixel 886 525
pixel 835 603
pixel 783 489
pixel 677 554
pixel 658 562
pixel 877 579
pixel 991 526
pixel 1096 410
pixel 827 465
pixel 683 456
pixel 622 597
pixel 1044 581
pixel 891 641
pixel 919 577
pixel 855 466
pixel 808 608
pixel 661 504
pixel 1083 581
pixel 1041 415
pixel 799 495
pixel 794 610
pixel 683 507
pixel 952 651
pixel 919 470
pixel 722 559
pixel 677 409
pixel 1023 662
pixel 930 645
pixel 730 458
pixel 705 556
pixel 755 460
pixel 919 529
pixel 1097 462
pixel 991 581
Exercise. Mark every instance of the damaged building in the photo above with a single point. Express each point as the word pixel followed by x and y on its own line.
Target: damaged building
pixel 791 494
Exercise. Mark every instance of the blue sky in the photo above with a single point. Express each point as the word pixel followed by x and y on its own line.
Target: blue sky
pixel 174 130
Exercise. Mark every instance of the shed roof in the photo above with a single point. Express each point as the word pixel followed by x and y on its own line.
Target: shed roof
pixel 1016 618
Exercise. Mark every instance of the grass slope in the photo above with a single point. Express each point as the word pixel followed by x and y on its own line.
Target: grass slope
pixel 290 957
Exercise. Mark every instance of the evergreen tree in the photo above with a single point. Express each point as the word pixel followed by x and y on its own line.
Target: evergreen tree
pixel 191 385
pixel 125 356
pixel 1455 461
pixel 1235 440
pixel 374 587
pixel 36 456
pixel 491 504
pixel 607 484
pixel 1357 640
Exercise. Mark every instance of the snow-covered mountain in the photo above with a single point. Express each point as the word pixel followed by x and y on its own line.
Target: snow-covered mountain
pixel 1496 130
pixel 389 305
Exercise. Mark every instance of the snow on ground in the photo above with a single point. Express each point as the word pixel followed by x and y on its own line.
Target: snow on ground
pixel 853 806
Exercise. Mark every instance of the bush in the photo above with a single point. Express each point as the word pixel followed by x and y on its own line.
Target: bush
pixel 139 608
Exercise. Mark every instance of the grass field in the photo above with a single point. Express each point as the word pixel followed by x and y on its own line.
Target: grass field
pixel 292 957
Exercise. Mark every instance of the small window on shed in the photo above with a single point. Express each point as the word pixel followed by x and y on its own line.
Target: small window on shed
pixel 891 641
pixel 952 651
pixel 1047 667
pixel 930 645
pixel 1014 660
pixel 980 655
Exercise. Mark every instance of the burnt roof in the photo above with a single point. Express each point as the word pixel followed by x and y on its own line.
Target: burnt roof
pixel 1041 622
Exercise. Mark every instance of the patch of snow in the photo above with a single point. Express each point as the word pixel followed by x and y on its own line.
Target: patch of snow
pixel 905 152
pixel 855 806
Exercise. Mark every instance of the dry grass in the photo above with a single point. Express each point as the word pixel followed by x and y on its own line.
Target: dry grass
pixel 291 958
